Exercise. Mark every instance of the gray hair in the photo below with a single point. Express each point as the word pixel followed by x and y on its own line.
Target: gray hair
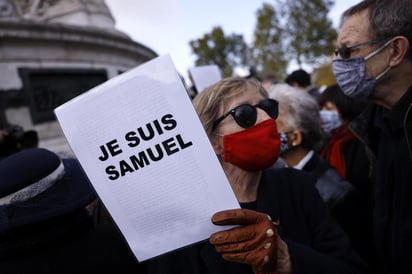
pixel 388 18
pixel 300 111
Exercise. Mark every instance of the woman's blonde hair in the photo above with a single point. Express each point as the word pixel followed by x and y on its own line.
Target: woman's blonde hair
pixel 210 101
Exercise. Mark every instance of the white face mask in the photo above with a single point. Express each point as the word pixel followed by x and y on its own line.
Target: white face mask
pixel 330 120
pixel 350 74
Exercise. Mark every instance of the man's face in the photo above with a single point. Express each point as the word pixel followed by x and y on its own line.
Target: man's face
pixel 356 30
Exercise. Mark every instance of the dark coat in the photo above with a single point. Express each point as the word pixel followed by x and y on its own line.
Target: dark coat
pixel 65 244
pixel 316 243
pixel 347 204
pixel 332 188
pixel 388 137
pixel 357 167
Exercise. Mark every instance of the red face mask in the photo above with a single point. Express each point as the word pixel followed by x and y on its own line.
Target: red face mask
pixel 254 148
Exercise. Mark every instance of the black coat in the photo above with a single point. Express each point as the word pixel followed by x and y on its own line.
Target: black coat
pixel 348 206
pixel 331 186
pixel 316 243
pixel 388 136
pixel 66 244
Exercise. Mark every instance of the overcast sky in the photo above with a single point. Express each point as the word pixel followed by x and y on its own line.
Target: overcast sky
pixel 167 26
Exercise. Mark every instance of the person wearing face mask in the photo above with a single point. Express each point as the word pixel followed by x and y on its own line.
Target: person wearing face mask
pixel 374 62
pixel 302 138
pixel 343 150
pixel 283 226
pixel 347 154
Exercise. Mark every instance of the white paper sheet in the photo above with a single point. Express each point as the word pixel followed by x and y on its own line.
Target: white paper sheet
pixel 204 76
pixel 141 143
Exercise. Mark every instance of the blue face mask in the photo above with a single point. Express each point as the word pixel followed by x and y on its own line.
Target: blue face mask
pixel 284 146
pixel 330 120
pixel 351 75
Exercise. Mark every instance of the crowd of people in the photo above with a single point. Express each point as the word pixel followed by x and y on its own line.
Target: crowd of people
pixel 322 177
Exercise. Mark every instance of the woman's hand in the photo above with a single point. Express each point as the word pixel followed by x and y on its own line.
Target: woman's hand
pixel 254 242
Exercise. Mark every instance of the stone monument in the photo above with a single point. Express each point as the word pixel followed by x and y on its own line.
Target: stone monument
pixel 52 51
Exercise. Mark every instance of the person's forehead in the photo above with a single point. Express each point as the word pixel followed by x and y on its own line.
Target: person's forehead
pixel 249 96
pixel 330 105
pixel 355 29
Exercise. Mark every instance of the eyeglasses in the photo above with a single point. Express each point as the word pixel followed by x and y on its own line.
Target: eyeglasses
pixel 345 52
pixel 245 115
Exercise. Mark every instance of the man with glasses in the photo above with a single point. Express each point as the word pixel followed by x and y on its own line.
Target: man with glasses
pixel 374 62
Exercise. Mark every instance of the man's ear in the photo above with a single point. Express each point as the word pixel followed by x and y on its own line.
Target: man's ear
pixel 399 48
pixel 295 138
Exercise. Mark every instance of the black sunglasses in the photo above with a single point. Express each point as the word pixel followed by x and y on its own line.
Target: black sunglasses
pixel 344 52
pixel 245 115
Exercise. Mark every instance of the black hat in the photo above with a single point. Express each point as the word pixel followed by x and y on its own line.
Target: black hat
pixel 36 184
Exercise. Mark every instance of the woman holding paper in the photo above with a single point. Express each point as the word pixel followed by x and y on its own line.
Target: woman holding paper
pixel 283 225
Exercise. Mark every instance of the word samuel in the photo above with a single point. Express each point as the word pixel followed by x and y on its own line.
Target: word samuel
pixel 143 158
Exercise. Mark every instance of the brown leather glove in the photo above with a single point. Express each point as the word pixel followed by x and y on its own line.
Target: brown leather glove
pixel 254 242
